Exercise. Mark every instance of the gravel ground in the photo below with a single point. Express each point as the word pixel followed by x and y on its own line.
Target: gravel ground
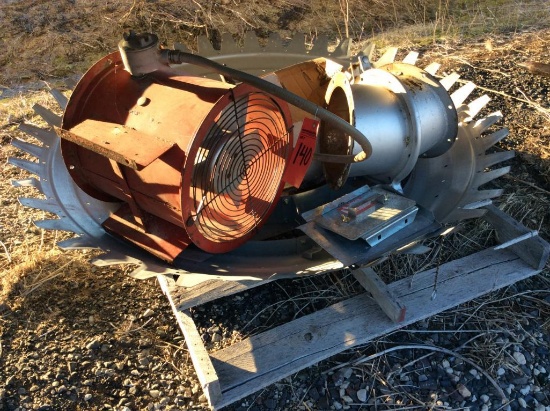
pixel 75 337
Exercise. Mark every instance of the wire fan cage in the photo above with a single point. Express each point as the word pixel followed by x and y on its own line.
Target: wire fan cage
pixel 238 169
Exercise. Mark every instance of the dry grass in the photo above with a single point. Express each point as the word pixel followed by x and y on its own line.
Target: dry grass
pixel 47 40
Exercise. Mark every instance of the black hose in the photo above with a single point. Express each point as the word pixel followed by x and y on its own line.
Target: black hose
pixel 179 57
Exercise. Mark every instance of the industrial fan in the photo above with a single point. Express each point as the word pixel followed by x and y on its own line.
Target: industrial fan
pixel 192 159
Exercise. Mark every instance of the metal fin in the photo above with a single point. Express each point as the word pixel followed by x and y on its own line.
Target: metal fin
pixel 182 47
pixel 492 139
pixel 274 44
pixel 369 51
pixel 448 81
pixel 251 44
pixel 411 58
pixel 343 49
pixel 142 273
pixel 460 95
pixel 477 204
pixel 387 58
pixel 320 46
pixel 28 182
pixel 47 137
pixel 229 46
pixel 30 166
pixel 32 149
pixel 71 82
pixel 41 204
pixel 495 158
pixel 49 116
pixel 204 47
pixel 482 195
pixel 485 123
pixel 54 224
pixel 113 258
pixel 484 178
pixel 76 243
pixel 475 106
pixel 463 214
pixel 432 68
pixel 60 98
pixel 296 45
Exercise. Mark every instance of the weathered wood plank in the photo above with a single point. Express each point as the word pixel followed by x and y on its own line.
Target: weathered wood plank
pixel 534 251
pixel 379 290
pixel 263 359
pixel 201 360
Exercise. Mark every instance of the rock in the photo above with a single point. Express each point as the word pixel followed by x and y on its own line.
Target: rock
pixel 520 358
pixel 88 397
pixel 337 405
pixel 72 366
pixel 525 390
pixel 314 394
pixel 346 373
pixel 347 399
pixel 484 398
pixel 154 393
pixel 216 337
pixel 522 403
pixel 501 371
pixel 464 391
pixel 93 345
pixel 362 395
pixel 148 313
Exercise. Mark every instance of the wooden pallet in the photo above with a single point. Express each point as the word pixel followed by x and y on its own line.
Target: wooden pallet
pixel 243 368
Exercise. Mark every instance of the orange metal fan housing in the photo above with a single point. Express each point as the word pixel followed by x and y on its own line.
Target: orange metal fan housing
pixel 192 159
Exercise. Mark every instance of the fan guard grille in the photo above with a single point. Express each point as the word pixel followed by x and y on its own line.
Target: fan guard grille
pixel 238 171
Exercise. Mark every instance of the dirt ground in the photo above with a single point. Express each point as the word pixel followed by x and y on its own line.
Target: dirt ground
pixel 74 336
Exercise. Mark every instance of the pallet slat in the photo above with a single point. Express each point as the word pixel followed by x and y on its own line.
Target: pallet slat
pixel 379 290
pixel 206 373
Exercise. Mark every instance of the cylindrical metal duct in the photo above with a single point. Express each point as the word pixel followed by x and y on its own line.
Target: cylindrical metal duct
pixel 402 110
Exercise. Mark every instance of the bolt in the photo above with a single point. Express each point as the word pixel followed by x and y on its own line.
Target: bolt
pixel 143 101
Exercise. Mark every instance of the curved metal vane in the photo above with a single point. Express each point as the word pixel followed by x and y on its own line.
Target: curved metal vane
pixel 448 185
